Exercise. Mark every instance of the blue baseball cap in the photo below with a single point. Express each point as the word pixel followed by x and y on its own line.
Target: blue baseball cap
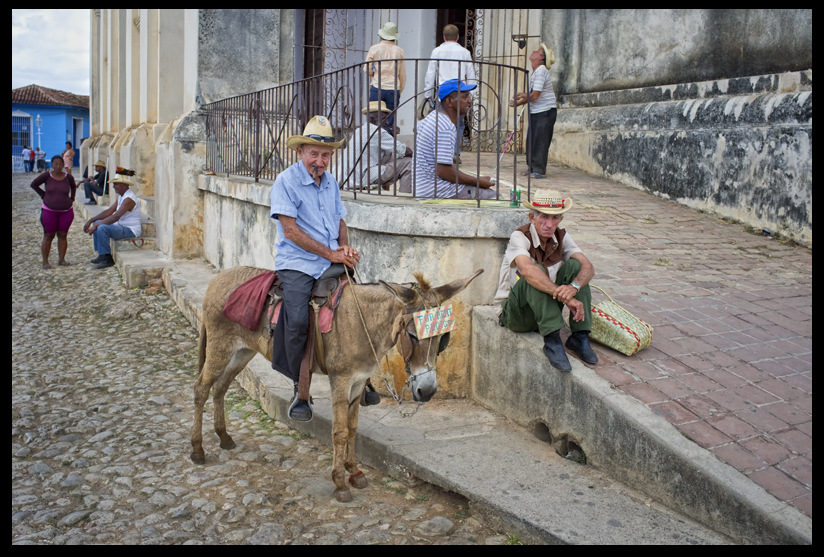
pixel 451 86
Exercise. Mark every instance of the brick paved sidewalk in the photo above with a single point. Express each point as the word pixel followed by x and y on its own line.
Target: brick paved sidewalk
pixel 730 363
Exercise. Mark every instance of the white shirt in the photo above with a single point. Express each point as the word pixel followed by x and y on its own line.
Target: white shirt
pixel 380 143
pixel 519 245
pixel 131 219
pixel 444 64
pixel 540 80
pixel 26 154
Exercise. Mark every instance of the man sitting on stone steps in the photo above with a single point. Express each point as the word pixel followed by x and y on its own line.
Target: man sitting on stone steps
pixel 121 220
pixel 543 269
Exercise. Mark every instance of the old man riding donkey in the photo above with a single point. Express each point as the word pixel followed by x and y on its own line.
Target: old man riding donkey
pixel 369 319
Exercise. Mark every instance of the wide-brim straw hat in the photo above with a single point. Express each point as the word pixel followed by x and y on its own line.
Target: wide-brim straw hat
pixel 389 31
pixel 376 106
pixel 100 163
pixel 549 202
pixel 319 127
pixel 118 179
pixel 549 56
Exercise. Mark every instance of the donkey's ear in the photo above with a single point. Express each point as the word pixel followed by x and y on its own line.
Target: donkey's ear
pixel 403 294
pixel 443 293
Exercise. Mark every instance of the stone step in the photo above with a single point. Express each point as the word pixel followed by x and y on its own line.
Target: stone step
pixel 131 244
pixel 147 205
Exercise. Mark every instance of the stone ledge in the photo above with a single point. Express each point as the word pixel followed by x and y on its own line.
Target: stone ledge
pixel 622 437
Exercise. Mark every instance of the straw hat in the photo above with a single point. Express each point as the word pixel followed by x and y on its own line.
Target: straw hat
pixel 317 132
pixel 376 106
pixel 549 56
pixel 119 179
pixel 389 32
pixel 100 163
pixel 549 202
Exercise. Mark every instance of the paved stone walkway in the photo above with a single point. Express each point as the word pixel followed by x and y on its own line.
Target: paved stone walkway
pixel 101 416
pixel 731 358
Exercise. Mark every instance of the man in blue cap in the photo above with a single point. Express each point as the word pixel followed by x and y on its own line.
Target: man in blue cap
pixel 435 174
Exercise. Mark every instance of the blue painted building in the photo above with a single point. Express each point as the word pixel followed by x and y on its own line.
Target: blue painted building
pixel 63 117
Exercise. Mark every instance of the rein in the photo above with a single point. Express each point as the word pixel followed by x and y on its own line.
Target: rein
pixel 398 399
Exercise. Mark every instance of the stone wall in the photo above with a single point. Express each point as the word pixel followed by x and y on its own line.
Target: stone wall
pixel 395 240
pixel 710 108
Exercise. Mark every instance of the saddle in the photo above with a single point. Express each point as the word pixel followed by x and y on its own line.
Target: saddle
pixel 325 294
pixel 245 306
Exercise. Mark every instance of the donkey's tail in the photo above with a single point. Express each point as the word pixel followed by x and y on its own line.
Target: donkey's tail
pixel 201 349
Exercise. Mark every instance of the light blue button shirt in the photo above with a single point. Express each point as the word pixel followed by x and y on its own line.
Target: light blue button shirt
pixel 318 211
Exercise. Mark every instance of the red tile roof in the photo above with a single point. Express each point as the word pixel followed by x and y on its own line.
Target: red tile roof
pixel 35 94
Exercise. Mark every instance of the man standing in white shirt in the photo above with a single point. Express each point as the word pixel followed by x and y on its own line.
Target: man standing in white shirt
pixel 449 61
pixel 542 112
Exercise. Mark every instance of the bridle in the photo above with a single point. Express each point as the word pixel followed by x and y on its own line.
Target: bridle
pixel 404 323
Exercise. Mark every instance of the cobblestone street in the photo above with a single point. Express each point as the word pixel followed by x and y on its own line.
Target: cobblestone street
pixel 101 414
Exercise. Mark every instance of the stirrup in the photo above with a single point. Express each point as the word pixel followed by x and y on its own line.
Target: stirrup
pixel 294 402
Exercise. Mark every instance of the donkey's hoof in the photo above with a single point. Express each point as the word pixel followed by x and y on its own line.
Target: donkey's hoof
pixel 359 481
pixel 198 458
pixel 228 444
pixel 343 495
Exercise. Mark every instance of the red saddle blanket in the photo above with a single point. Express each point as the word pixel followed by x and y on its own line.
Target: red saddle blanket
pixel 245 303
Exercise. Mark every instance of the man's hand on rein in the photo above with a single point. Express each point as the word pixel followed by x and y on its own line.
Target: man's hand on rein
pixel 346 255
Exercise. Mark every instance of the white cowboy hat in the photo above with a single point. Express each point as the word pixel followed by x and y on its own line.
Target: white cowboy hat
pixel 317 132
pixel 389 32
pixel 376 106
pixel 118 179
pixel 549 56
pixel 549 202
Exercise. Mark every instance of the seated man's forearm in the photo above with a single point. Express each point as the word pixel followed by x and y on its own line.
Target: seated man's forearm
pixel 450 173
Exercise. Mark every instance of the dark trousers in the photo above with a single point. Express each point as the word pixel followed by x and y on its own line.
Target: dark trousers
pixel 538 138
pixel 91 188
pixel 390 97
pixel 291 331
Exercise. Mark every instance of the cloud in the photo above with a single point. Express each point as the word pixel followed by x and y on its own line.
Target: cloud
pixel 51 48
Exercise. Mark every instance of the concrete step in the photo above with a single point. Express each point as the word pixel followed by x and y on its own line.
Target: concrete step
pixel 147 205
pixel 132 244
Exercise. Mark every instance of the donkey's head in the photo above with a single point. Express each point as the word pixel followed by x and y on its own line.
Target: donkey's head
pixel 419 355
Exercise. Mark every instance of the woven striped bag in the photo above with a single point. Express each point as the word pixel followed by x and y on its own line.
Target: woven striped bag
pixel 617 328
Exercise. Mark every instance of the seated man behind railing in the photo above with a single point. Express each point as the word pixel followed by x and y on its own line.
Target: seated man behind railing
pixel 374 146
pixel 435 173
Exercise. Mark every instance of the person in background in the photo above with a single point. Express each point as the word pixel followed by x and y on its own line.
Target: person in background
pixel 56 214
pixel 40 159
pixel 384 90
pixel 542 112
pixel 97 184
pixel 68 157
pixel 449 61
pixel 26 156
pixel 121 220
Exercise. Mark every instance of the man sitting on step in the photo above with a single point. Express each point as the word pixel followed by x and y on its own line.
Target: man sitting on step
pixel 542 271
pixel 121 220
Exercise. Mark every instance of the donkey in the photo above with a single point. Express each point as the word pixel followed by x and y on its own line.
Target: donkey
pixel 226 347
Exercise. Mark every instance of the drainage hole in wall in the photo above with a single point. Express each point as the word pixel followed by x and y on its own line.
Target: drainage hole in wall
pixel 541 431
pixel 575 452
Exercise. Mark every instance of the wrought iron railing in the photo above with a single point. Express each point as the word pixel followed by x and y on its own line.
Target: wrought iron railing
pixel 246 135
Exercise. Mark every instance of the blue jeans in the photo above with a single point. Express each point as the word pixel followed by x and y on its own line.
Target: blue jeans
pixel 106 232
pixel 389 96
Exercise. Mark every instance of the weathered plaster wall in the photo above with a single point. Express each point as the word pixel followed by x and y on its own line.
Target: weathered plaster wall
pixel 395 241
pixel 711 108
pixel 241 51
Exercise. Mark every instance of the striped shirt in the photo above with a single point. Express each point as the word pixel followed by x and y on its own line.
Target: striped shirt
pixel 428 153
pixel 541 81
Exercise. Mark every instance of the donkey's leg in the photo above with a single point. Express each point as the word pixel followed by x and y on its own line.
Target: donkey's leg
pixel 357 479
pixel 340 436
pixel 236 364
pixel 201 394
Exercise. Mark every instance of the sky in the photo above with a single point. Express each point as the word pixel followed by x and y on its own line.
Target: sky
pixel 51 48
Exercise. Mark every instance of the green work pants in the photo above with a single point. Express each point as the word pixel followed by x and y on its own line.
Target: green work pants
pixel 528 309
